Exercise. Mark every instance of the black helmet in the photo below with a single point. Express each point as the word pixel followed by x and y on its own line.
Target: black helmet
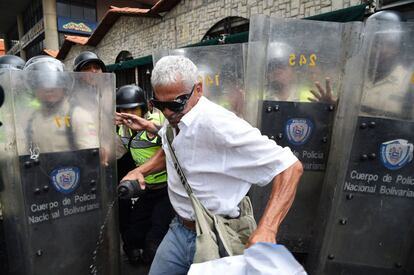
pixel 85 58
pixel 131 96
pixel 11 62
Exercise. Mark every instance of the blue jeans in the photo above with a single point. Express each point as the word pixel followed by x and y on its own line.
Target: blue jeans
pixel 176 251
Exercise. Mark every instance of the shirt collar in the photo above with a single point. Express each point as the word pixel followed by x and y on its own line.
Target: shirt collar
pixel 189 117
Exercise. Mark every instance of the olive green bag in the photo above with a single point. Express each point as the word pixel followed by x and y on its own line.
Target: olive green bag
pixel 217 236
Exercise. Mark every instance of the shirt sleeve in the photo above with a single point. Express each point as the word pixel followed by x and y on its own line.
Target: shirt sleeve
pixel 247 154
pixel 85 129
pixel 119 147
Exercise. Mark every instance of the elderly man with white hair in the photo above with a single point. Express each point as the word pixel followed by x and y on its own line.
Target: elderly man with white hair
pixel 221 155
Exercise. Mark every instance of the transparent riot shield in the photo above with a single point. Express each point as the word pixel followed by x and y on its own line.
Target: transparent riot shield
pixel 57 173
pixel 221 69
pixel 5 119
pixel 369 227
pixel 295 78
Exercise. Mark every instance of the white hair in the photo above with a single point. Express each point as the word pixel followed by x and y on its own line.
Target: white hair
pixel 171 69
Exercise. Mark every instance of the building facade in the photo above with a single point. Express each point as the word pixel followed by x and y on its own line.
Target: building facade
pixel 42 24
pixel 189 21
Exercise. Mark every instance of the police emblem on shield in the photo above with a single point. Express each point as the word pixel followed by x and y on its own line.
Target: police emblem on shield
pixel 395 154
pixel 298 130
pixel 65 179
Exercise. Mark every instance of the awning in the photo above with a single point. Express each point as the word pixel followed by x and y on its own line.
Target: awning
pixel 355 13
pixel 145 60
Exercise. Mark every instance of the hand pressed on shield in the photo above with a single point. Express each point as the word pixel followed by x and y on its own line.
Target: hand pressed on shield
pixel 323 95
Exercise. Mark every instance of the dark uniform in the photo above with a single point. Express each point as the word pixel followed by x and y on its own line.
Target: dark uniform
pixel 144 221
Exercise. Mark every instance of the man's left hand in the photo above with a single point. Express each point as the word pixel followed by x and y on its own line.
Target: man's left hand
pixel 135 175
pixel 261 234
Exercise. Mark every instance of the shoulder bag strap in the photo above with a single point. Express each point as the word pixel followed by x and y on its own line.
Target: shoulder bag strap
pixel 132 138
pixel 170 138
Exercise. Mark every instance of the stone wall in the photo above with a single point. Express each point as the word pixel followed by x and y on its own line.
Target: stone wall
pixel 189 21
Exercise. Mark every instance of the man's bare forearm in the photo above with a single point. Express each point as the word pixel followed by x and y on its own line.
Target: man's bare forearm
pixel 281 197
pixel 154 165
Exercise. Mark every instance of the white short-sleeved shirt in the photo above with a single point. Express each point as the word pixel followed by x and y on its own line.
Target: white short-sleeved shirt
pixel 221 156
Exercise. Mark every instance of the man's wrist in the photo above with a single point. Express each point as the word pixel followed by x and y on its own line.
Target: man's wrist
pixel 139 170
pixel 268 228
pixel 143 170
pixel 152 127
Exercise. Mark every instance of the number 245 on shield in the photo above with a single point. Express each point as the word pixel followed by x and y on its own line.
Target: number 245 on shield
pixel 311 62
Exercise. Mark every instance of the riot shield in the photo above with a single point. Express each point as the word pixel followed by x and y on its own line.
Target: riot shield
pixel 57 172
pixel 5 119
pixel 287 59
pixel 221 70
pixel 369 227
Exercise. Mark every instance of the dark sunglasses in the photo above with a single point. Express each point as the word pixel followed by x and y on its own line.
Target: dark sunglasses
pixel 177 105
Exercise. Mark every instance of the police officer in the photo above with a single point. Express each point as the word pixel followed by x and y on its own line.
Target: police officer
pixel 69 126
pixel 282 81
pixel 7 62
pixel 88 62
pixel 148 217
pixel 86 92
pixel 280 76
pixel 387 71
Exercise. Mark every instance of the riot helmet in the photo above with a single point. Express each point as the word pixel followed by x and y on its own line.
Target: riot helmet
pixel 393 16
pixel 278 52
pixel 131 96
pixel 11 62
pixel 85 58
pixel 44 63
pixel 391 29
pixel 47 79
pixel 279 74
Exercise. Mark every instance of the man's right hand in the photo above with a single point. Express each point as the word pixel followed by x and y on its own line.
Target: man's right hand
pixel 136 175
pixel 133 122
